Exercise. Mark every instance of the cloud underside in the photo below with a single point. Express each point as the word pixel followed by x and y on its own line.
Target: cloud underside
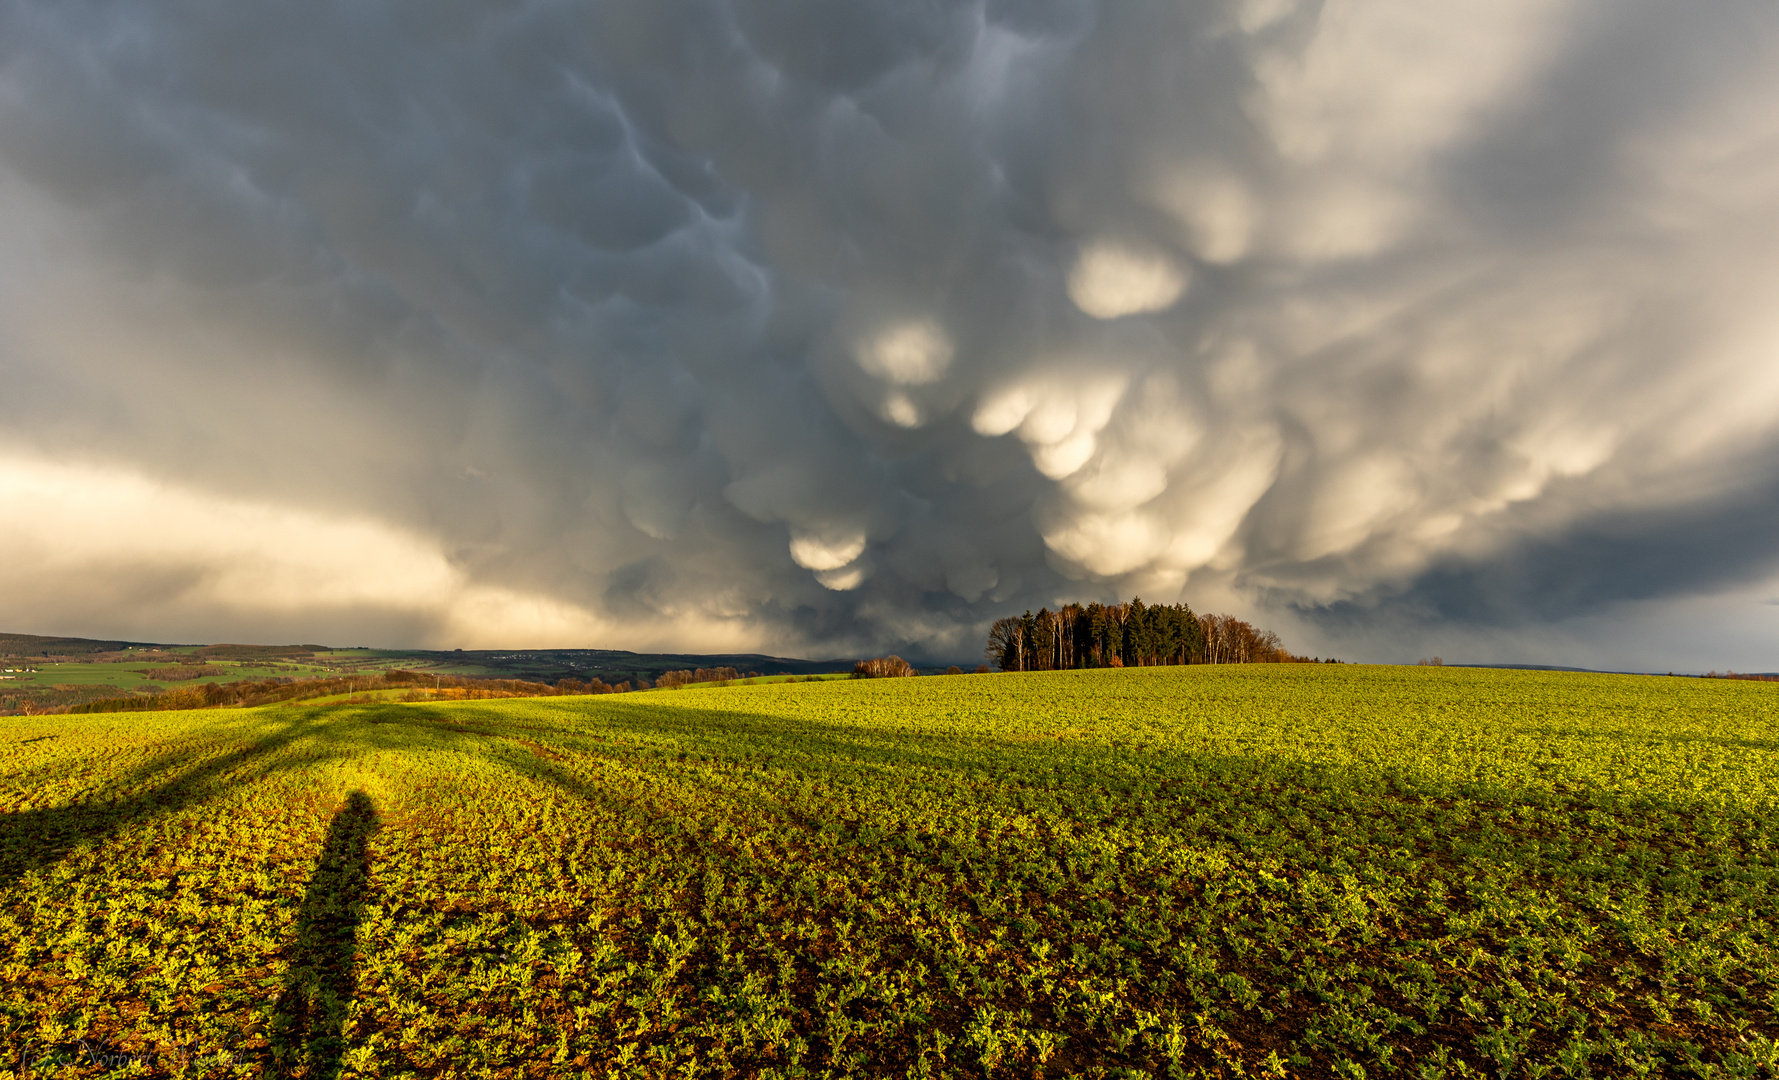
pixel 844 326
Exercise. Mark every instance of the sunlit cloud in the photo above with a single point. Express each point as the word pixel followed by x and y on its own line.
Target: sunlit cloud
pixel 77 537
pixel 1110 280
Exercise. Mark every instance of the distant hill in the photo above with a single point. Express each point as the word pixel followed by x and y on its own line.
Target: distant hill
pixel 1603 671
pixel 257 652
pixel 1540 667
pixel 36 645
pixel 537 665
pixel 612 665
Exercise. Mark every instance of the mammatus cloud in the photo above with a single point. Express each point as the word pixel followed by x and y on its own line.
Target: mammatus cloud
pixel 1112 280
pixel 844 326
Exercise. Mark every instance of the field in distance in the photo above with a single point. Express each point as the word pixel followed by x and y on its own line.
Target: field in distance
pixel 1258 870
pixel 39 674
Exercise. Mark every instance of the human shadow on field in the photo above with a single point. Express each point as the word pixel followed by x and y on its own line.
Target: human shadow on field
pixel 33 839
pixel 308 1021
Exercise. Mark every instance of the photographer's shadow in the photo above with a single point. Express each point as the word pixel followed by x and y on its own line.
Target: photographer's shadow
pixel 308 1025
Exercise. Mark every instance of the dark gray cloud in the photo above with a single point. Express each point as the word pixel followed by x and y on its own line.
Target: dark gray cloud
pixel 827 327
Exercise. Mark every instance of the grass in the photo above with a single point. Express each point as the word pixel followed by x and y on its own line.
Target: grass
pixel 60 683
pixel 132 675
pixel 79 674
pixel 1268 870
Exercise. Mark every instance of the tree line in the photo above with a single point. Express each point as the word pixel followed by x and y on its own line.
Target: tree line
pixel 883 667
pixel 421 686
pixel 1133 634
pixel 673 680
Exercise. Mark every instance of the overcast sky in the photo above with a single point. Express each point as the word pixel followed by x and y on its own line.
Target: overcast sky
pixel 825 327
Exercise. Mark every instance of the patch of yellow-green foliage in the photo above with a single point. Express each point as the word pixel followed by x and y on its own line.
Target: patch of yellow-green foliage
pixel 1258 870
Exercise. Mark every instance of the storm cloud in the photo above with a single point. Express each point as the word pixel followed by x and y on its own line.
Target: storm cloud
pixel 830 327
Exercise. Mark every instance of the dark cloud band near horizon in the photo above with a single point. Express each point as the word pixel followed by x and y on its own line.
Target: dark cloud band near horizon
pixel 828 328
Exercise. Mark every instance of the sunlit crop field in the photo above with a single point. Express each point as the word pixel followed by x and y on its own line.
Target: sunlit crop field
pixel 1262 870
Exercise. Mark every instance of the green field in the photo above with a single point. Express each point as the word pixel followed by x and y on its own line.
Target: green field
pixel 47 675
pixel 1260 870
pixel 49 682
pixel 131 676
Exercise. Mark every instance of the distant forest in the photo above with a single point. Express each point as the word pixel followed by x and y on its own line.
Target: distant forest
pixel 1129 635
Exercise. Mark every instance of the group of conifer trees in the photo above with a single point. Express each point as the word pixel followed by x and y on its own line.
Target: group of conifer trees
pixel 1128 635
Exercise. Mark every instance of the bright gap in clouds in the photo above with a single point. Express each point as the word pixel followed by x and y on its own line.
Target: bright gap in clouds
pixel 189 564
